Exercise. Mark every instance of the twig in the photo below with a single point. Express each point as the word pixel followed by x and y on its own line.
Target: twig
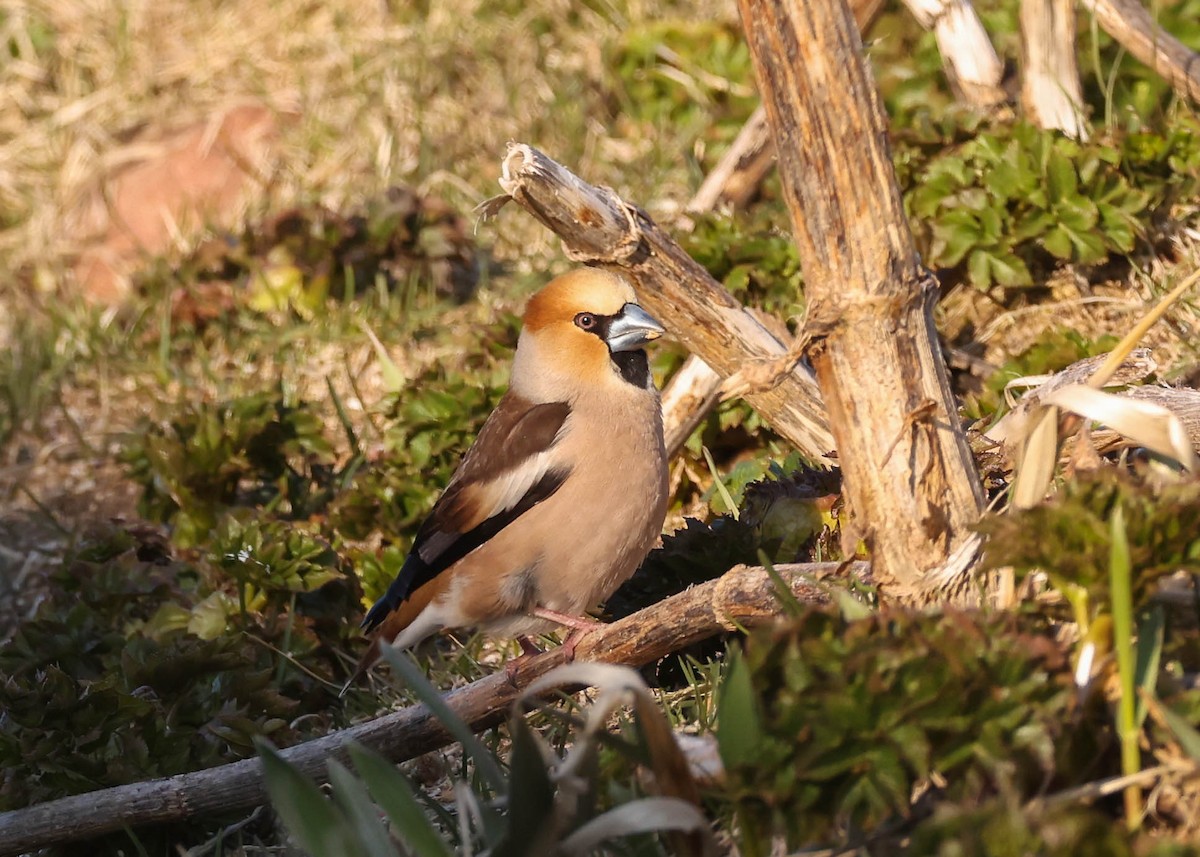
pixel 743 596
pixel 1099 788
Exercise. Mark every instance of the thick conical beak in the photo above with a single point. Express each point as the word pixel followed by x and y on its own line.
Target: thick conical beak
pixel 632 328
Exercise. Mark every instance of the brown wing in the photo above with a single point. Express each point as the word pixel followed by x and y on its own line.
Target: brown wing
pixel 502 476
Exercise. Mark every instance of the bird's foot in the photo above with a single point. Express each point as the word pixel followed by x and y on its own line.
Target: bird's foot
pixel 580 627
pixel 529 649
pixel 574 639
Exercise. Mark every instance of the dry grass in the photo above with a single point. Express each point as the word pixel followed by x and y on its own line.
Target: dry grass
pixel 380 95
pixel 370 94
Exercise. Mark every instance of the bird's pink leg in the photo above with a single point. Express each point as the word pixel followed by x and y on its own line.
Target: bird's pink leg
pixel 580 627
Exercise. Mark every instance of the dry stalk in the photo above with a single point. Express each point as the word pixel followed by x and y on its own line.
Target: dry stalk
pixel 1051 93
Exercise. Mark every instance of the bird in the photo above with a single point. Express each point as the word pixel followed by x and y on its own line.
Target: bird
pixel 561 496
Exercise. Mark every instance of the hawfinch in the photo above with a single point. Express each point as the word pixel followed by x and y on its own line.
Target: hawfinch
pixel 562 494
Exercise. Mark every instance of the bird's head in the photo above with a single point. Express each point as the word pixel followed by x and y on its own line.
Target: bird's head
pixel 584 328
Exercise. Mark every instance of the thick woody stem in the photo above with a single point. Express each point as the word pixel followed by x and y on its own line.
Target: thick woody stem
pixel 909 475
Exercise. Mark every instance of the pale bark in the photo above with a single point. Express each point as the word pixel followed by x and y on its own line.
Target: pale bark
pixel 691 394
pixel 909 474
pixel 972 66
pixel 742 597
pixel 1130 24
pixel 1051 94
pixel 738 175
pixel 600 228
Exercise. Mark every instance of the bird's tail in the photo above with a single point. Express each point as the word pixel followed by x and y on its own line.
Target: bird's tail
pixel 391 600
pixel 387 619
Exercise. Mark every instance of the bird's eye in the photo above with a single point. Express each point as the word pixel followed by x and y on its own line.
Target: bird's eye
pixel 585 321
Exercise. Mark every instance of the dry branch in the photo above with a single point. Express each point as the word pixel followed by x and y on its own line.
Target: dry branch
pixel 909 475
pixel 971 63
pixel 740 172
pixel 600 228
pixel 742 597
pixel 1133 28
pixel 737 176
pixel 1051 94
pixel 691 394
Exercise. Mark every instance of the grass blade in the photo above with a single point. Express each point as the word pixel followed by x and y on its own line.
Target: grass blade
pixel 320 829
pixel 531 827
pixel 1149 656
pixel 1185 733
pixel 739 728
pixel 648 815
pixel 351 795
pixel 485 762
pixel 1121 573
pixel 393 378
pixel 391 790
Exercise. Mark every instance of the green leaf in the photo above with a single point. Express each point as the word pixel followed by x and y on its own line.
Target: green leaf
pixel 1185 733
pixel 739 725
pixel 531 797
pixel 954 235
pixel 485 762
pixel 1061 180
pixel 391 790
pixel 1058 243
pixel 979 268
pixel 1149 656
pixel 319 828
pixel 1009 270
pixel 352 797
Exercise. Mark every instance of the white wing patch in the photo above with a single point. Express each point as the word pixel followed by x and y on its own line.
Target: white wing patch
pixel 506 490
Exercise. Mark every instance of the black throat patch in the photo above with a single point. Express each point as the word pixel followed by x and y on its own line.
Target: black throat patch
pixel 634 366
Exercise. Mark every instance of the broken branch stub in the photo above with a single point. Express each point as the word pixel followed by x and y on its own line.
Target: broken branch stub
pixel 1051 93
pixel 970 61
pixel 598 227
pixel 910 478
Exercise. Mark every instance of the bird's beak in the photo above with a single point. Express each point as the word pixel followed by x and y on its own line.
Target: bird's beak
pixel 632 328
